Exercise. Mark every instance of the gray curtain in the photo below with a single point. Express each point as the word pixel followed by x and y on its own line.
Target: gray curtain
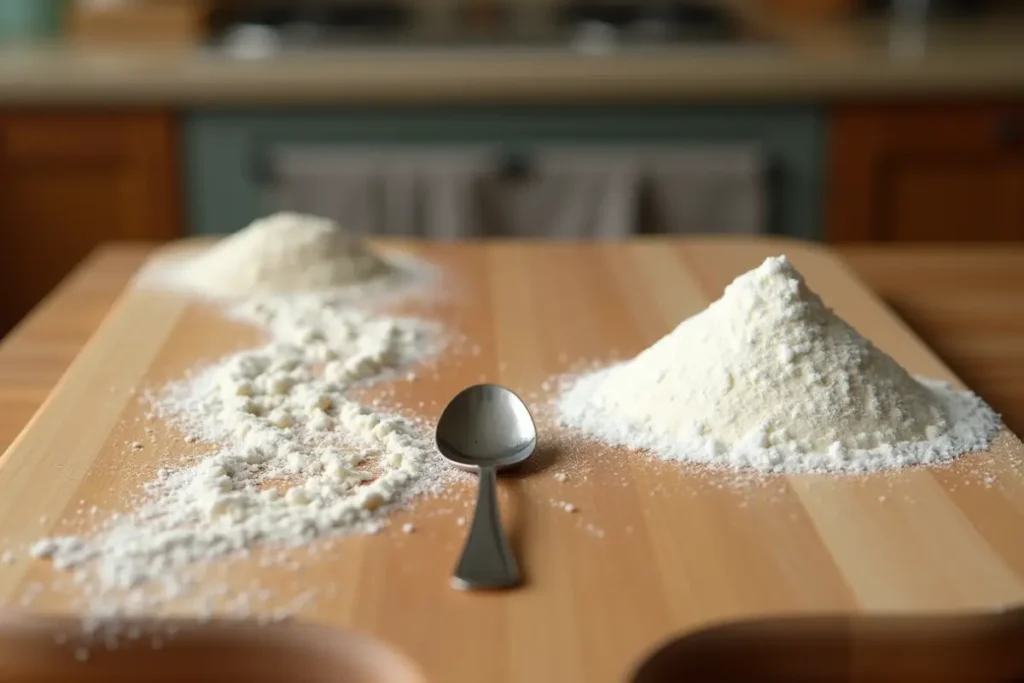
pixel 567 193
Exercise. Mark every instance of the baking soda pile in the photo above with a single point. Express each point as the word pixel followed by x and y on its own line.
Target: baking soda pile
pixel 769 378
pixel 294 457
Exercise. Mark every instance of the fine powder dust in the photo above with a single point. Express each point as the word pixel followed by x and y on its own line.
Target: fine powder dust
pixel 284 252
pixel 769 378
pixel 291 455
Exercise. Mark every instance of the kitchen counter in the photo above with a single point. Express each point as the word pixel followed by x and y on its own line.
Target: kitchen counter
pixel 798 62
pixel 963 301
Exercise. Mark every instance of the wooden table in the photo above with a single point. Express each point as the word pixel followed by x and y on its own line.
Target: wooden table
pixel 965 302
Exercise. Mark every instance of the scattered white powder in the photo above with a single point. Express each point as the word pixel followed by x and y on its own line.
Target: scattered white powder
pixel 296 457
pixel 769 378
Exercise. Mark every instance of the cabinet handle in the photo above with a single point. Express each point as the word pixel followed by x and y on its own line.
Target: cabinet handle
pixel 1010 131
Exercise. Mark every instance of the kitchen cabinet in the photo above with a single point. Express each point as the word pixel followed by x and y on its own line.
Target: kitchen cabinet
pixel 928 172
pixel 227 150
pixel 71 180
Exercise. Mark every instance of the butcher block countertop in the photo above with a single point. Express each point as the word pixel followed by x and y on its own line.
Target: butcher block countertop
pixel 788 62
pixel 964 302
pixel 692 547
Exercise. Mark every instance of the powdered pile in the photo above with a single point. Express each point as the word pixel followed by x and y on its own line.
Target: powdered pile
pixel 284 252
pixel 767 377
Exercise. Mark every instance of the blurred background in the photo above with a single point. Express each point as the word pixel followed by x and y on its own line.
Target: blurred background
pixel 833 120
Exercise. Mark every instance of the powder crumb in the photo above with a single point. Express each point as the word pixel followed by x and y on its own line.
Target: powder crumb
pixel 569 507
pixel 461 521
pixel 137 445
pixel 410 377
pixel 408 528
pixel 768 378
pixel 990 480
pixel 6 558
pixel 561 477
pixel 191 438
pixel 881 499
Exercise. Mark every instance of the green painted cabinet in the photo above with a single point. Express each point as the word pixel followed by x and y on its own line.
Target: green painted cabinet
pixel 227 149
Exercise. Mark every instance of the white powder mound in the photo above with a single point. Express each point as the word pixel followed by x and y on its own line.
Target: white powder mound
pixel 281 253
pixel 769 378
pixel 295 458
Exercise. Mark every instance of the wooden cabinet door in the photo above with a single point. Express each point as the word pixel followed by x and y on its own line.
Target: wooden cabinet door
pixel 70 181
pixel 927 173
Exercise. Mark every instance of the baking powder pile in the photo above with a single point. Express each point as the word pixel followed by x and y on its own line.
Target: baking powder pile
pixel 281 253
pixel 769 378
pixel 294 458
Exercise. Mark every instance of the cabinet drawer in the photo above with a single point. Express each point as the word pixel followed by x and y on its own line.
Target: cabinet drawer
pixel 965 127
pixel 69 182
pixel 42 138
pixel 927 173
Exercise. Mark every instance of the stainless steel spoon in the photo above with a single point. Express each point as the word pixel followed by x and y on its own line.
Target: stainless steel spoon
pixel 482 429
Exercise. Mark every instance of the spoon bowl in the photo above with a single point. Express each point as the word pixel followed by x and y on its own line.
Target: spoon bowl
pixel 484 428
pixel 486 424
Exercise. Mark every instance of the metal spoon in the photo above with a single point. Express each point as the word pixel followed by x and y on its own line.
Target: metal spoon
pixel 482 429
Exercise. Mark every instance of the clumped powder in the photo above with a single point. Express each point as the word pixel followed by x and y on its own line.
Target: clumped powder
pixel 291 454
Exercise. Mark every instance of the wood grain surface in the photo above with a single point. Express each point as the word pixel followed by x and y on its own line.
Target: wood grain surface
pixel 654 551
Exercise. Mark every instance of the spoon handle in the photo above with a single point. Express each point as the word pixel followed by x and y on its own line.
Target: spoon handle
pixel 486 560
